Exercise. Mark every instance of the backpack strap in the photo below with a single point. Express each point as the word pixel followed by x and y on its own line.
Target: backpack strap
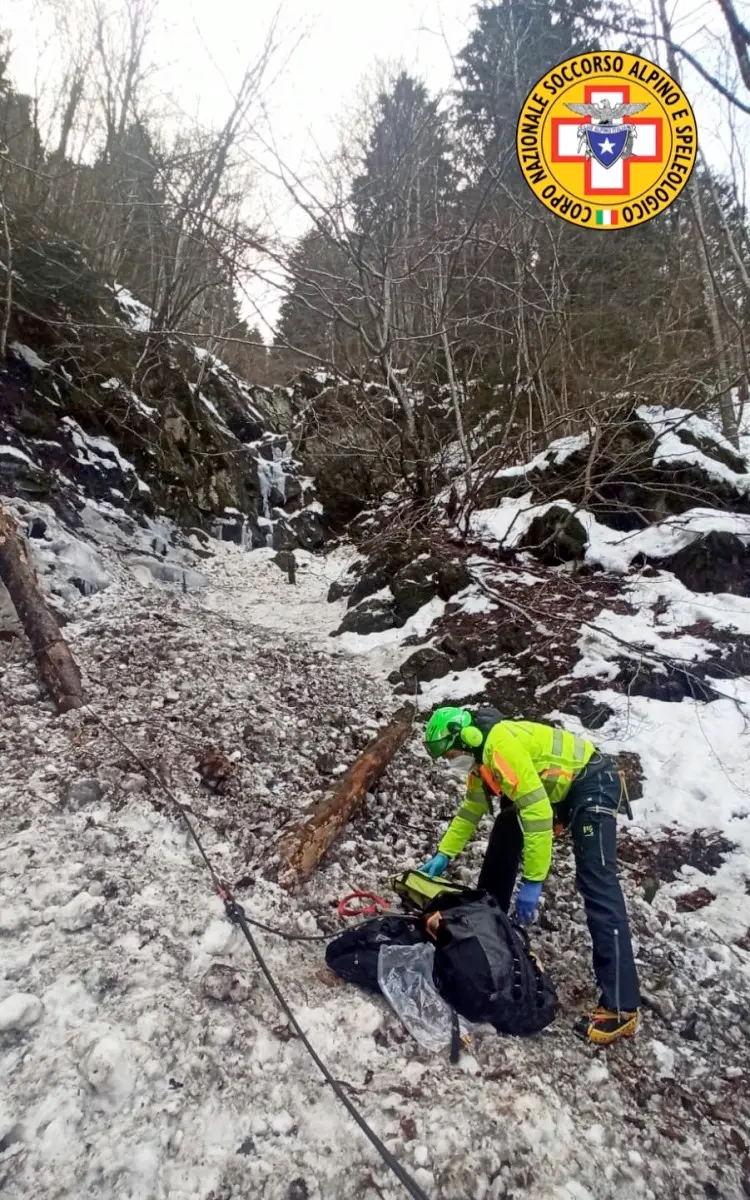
pixel 455 1037
pixel 522 935
pixel 524 939
pixel 517 988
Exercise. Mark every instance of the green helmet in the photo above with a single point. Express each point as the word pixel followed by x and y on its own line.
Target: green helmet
pixel 444 729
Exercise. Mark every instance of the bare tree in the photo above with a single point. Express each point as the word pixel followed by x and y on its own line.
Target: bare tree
pixel 120 39
pixel 726 403
pixel 204 207
pixel 160 207
pixel 740 35
pixel 8 268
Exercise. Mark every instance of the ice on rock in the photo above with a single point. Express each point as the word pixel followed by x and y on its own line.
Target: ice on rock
pixel 146 570
pixel 139 315
pixel 272 477
pixel 19 1011
pixel 12 452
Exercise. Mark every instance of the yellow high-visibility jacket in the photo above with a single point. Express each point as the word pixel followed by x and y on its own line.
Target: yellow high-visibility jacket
pixel 533 765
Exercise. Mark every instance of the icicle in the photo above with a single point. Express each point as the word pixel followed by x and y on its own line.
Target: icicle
pixel 264 483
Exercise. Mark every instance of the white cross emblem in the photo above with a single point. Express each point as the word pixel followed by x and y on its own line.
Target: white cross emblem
pixel 599 180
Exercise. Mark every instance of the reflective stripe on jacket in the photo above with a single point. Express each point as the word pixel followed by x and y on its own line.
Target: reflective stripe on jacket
pixel 533 765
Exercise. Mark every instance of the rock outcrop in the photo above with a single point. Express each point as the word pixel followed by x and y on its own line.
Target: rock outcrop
pixel 138 421
pixel 555 536
pixel 646 465
pixel 717 561
pixel 548 601
pixel 414 573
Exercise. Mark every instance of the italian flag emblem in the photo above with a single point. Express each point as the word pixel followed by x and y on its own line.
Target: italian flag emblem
pixel 606 216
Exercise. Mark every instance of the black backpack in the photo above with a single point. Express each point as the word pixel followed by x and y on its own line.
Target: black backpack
pixel 353 955
pixel 484 967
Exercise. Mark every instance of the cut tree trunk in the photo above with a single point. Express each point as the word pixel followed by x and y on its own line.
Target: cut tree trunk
pixel 57 666
pixel 302 848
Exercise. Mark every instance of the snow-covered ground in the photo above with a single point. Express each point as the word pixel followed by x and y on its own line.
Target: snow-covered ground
pixel 252 588
pixel 132 1066
pixel 608 548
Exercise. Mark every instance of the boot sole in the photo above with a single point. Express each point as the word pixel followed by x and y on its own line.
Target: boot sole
pixel 600 1038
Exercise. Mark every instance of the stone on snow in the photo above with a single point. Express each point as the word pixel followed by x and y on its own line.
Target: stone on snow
pixel 19 1011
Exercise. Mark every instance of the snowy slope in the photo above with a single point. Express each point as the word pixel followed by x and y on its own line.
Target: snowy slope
pixel 693 753
pixel 607 639
pixel 123 1075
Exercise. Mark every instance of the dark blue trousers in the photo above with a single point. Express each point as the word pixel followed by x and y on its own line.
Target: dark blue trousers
pixel 590 812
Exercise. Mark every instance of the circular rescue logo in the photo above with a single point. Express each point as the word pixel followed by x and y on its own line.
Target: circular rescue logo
pixel 606 140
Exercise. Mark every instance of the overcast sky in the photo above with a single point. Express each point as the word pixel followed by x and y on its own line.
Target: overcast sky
pixel 326 48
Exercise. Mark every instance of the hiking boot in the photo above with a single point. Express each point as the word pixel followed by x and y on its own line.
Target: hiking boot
pixel 603 1026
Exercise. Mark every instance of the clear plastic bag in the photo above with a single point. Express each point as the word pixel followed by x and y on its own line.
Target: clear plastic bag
pixel 405 978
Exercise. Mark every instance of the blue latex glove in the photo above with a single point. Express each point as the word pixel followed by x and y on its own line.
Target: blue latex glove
pixel 527 901
pixel 435 866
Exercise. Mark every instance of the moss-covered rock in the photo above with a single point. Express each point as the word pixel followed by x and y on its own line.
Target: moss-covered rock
pixel 716 562
pixel 556 536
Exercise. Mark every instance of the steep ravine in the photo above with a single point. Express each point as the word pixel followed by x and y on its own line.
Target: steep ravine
pixel 141 1052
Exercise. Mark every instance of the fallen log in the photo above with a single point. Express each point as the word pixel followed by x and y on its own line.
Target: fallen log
pixel 302 847
pixel 57 666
